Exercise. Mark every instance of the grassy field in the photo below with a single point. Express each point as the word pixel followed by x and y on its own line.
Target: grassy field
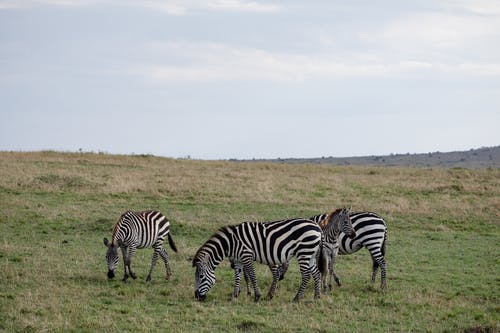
pixel 443 250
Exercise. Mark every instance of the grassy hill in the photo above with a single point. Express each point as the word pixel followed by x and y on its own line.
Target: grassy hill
pixel 55 208
pixel 487 157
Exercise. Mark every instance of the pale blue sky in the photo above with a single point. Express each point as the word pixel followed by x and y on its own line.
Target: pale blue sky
pixel 217 79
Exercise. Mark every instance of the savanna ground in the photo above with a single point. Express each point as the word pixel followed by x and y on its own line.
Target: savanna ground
pixel 55 208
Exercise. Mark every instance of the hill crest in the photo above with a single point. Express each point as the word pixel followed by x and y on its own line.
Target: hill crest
pixel 485 157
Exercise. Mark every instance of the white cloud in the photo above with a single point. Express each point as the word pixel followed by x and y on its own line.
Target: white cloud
pixel 240 6
pixel 189 61
pixel 171 7
pixel 178 7
pixel 434 32
pixel 25 4
pixel 479 7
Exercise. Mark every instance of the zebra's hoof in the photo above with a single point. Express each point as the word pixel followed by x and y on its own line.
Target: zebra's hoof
pixel 148 279
pixel 133 276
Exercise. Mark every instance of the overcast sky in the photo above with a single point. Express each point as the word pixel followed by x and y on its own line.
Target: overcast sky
pixel 217 79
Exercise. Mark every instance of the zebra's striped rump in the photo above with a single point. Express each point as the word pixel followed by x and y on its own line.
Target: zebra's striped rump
pixel 270 243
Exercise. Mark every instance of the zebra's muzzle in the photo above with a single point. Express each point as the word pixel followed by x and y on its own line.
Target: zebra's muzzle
pixel 199 297
pixel 352 235
pixel 111 274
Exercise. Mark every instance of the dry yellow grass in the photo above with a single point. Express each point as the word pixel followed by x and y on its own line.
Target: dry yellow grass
pixel 413 191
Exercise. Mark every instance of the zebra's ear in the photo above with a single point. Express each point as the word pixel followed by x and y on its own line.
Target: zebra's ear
pixel 106 242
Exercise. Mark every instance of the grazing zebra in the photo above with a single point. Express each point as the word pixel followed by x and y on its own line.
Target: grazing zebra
pixel 137 230
pixel 332 225
pixel 270 243
pixel 371 232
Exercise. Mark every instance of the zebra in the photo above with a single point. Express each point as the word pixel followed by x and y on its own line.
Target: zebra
pixel 332 225
pixel 371 232
pixel 137 230
pixel 270 243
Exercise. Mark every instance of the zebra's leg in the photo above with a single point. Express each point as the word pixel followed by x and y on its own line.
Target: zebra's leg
pixel 247 282
pixel 306 275
pixel 128 261
pixel 324 261
pixel 237 278
pixel 323 276
pixel 283 269
pixel 250 271
pixel 276 271
pixel 336 278
pixel 156 252
pixel 125 267
pixel 164 256
pixel 332 273
pixel 238 270
pixel 316 276
pixel 383 273
pixel 374 270
pixel 379 261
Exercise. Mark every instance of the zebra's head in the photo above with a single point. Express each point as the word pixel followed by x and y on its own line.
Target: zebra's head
pixel 204 279
pixel 111 257
pixel 346 223
pixel 341 222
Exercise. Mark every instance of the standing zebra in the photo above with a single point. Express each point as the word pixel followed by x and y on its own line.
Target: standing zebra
pixel 137 230
pixel 270 243
pixel 371 232
pixel 332 225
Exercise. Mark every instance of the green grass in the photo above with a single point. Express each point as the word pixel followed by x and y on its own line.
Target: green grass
pixel 443 249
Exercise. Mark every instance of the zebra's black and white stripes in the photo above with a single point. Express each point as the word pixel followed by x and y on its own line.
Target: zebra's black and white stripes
pixel 332 225
pixel 371 232
pixel 271 243
pixel 137 230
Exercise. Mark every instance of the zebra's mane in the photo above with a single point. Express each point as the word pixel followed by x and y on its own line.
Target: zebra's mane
pixel 115 229
pixel 324 223
pixel 201 253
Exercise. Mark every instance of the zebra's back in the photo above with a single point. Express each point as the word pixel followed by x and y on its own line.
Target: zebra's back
pixel 145 228
pixel 278 241
pixel 371 231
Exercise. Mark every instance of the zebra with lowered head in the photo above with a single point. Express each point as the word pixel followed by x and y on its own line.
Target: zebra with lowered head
pixel 271 243
pixel 137 230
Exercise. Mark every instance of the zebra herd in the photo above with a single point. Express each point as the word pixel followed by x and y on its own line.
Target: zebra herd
pixel 315 242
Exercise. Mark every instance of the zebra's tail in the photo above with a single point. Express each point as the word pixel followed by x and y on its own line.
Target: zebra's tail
pixel 382 250
pixel 171 242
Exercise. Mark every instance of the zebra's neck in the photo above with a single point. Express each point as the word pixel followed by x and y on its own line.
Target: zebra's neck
pixel 121 232
pixel 216 248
